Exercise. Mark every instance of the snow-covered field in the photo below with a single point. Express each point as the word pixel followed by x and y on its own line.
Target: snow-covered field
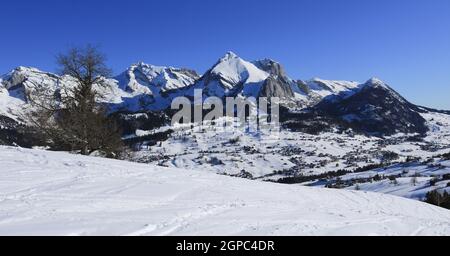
pixel 49 193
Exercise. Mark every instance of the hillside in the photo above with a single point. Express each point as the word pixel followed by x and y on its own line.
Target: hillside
pixel 48 193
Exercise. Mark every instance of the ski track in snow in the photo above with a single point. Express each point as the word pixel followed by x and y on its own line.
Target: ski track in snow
pixel 54 193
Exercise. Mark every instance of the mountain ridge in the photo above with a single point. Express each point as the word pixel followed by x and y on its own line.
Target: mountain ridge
pixel 228 72
pixel 146 87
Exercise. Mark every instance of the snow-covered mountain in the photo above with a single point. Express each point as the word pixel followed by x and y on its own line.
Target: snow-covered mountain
pixel 319 88
pixel 20 83
pixel 148 87
pixel 17 84
pixel 65 194
pixel 374 108
pixel 232 76
pixel 142 78
pixel 371 107
pixel 141 87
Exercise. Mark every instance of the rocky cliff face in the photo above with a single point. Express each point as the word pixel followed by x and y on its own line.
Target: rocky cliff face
pixel 278 84
pixel 276 87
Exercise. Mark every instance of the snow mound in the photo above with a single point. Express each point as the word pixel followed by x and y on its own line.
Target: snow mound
pixel 51 193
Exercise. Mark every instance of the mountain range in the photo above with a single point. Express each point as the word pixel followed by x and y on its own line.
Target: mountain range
pixel 372 107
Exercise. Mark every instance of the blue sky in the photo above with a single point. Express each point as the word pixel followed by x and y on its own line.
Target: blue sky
pixel 404 42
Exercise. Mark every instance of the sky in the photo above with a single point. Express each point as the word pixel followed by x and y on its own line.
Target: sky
pixel 406 43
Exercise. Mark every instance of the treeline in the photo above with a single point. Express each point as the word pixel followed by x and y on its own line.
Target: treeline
pixel 325 177
pixel 441 199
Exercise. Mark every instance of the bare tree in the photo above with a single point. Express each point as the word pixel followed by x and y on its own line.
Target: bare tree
pixel 70 116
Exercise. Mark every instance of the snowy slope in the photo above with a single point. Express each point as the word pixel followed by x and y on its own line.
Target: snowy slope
pixel 48 193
